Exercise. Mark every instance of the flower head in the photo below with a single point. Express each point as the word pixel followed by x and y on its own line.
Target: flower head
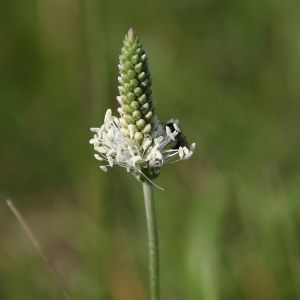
pixel 137 140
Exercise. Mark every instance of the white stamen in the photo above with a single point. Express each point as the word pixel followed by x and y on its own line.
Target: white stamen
pixel 180 152
pixel 110 160
pixel 94 129
pixel 113 145
pixel 186 151
pixel 146 143
pixel 176 127
pixel 108 115
pixel 103 168
pixel 98 157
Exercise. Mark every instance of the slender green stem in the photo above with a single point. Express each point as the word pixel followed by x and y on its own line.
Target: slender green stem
pixel 152 241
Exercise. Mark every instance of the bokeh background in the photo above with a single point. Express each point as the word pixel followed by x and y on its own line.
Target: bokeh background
pixel 229 217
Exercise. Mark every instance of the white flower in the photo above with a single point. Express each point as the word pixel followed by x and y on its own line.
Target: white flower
pixel 145 160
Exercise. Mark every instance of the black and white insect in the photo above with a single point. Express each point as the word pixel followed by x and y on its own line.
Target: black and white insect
pixel 180 138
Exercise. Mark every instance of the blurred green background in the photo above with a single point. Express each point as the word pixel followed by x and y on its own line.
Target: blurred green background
pixel 229 217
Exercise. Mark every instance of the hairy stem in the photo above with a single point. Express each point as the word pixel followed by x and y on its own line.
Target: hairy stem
pixel 152 241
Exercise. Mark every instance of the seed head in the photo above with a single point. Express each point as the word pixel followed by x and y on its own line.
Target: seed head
pixel 137 140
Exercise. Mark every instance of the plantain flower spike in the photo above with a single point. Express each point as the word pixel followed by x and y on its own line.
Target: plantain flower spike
pixel 137 140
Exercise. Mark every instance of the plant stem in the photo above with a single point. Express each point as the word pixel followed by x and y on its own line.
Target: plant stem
pixel 152 241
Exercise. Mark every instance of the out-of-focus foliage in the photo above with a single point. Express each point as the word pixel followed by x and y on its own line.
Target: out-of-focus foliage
pixel 229 217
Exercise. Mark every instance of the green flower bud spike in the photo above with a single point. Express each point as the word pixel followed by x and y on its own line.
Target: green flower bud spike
pixel 137 140
pixel 136 109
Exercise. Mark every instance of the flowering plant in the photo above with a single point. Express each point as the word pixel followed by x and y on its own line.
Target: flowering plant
pixel 137 140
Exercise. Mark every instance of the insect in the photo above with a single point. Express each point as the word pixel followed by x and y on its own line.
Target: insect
pixel 180 138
